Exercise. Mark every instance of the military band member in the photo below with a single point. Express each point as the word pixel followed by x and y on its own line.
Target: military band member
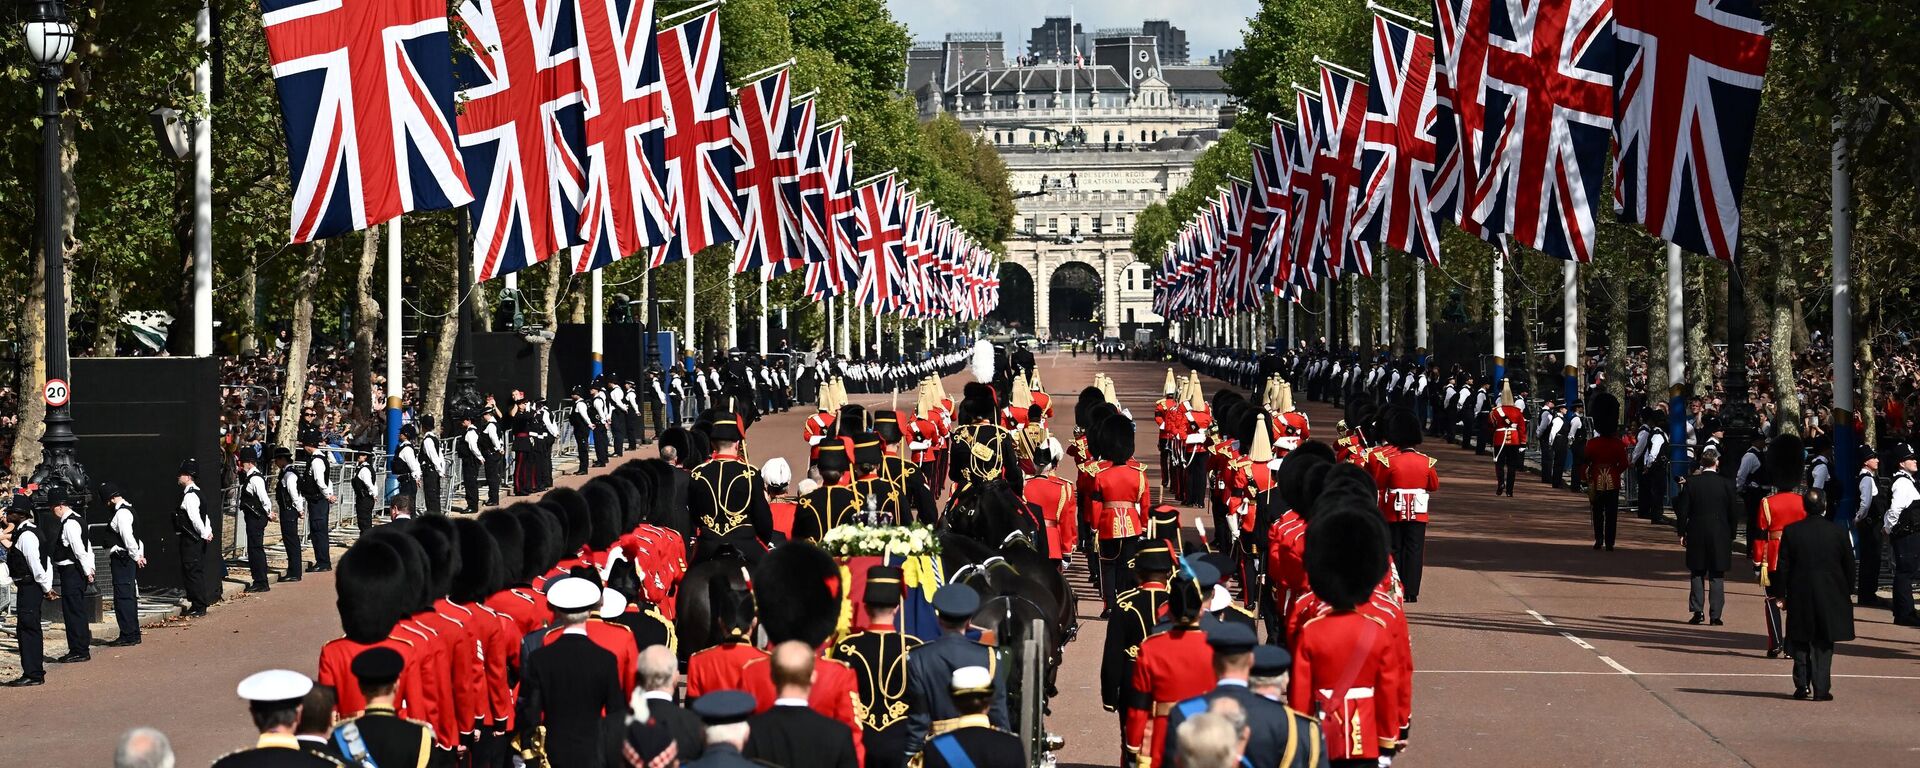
pixel 1277 735
pixel 931 710
pixel 274 698
pixel 193 532
pixel 379 735
pixel 125 556
pixel 1119 502
pixel 974 742
pixel 256 509
pixel 1509 425
pixel 1606 461
pixel 1407 480
pixel 878 656
pixel 286 492
pixel 31 567
pixel 728 499
pixel 1172 667
pixel 1136 612
pixel 316 490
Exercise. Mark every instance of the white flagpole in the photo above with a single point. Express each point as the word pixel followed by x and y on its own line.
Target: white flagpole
pixel 1353 314
pixel 1570 328
pixel 1499 319
pixel 686 342
pixel 1420 303
pixel 763 309
pixel 202 196
pixel 596 321
pixel 394 378
pixel 863 334
pixel 1676 319
pixel 733 315
pixel 1386 313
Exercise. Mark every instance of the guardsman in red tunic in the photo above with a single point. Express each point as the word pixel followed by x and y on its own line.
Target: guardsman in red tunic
pixel 1785 507
pixel 1119 502
pixel 1052 499
pixel 1509 425
pixel 820 424
pixel 1407 480
pixel 1254 505
pixel 1175 664
pixel 799 601
pixel 366 579
pixel 718 668
pixel 1167 412
pixel 1349 665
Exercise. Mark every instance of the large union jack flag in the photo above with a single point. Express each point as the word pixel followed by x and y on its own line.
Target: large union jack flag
pixel 764 142
pixel 520 131
pixel 700 152
pixel 626 197
pixel 827 277
pixel 1345 100
pixel 1310 192
pixel 1460 71
pixel 1398 153
pixel 1687 77
pixel 366 101
pixel 880 236
pixel 1549 117
pixel 810 186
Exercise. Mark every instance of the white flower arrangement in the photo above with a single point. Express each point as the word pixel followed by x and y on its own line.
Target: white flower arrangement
pixel 859 540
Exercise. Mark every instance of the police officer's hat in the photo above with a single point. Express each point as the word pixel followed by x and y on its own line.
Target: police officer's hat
pixel 866 449
pixel 378 665
pixel 1899 452
pixel 110 489
pixel 1271 661
pixel 191 467
pixel 956 601
pixel 282 454
pixel 1229 638
pixel 833 456
pixel 724 707
pixel 409 431
pixel 883 586
pixel 727 428
pixel 309 438
pixel 56 494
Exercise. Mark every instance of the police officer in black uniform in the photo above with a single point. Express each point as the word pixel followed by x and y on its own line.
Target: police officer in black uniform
pixel 406 466
pixel 193 532
pixel 316 489
pixel 878 656
pixel 930 706
pixel 728 499
pixel 274 699
pixel 287 498
pixel 256 509
pixel 379 735
pixel 579 418
pixel 473 461
pixel 126 554
pixel 31 566
pixel 431 456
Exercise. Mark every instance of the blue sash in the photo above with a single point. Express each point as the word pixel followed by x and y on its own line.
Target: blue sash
pixel 951 751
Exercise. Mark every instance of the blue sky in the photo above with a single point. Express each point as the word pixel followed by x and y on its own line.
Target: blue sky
pixel 1211 25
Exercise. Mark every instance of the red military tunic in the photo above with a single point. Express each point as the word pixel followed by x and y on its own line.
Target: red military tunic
pixel 1294 430
pixel 336 669
pixel 816 427
pixel 1406 479
pixel 473 704
pixel 1169 417
pixel 1776 513
pixel 527 608
pixel 1174 665
pixel 836 694
pixel 1286 559
pixel 1120 501
pixel 1509 426
pixel 924 441
pixel 1347 671
pixel 718 668
pixel 1045 401
pixel 437 670
pixel 1053 496
pixel 783 509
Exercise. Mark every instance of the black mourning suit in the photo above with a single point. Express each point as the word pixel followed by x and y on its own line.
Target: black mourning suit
pixel 572 688
pixel 796 735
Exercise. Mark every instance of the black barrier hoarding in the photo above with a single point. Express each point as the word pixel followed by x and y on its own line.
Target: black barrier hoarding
pixel 624 346
pixel 504 361
pixel 137 418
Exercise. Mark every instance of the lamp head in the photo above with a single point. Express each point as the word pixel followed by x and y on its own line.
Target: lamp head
pixel 49 31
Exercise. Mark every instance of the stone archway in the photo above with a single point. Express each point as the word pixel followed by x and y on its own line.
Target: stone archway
pixel 1016 308
pixel 1076 300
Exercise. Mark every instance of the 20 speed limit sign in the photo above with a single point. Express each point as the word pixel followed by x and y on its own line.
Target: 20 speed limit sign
pixel 57 392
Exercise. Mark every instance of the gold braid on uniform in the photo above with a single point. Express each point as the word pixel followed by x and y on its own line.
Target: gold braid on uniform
pixel 732 518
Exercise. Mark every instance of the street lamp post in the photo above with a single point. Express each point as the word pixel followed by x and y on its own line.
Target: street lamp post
pixel 49 38
pixel 464 401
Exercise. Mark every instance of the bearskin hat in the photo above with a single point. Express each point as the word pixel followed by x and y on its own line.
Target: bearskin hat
pixel 443 557
pixel 1114 439
pixel 1291 480
pixel 479 575
pixel 699 448
pixel 1402 429
pixel 415 595
pixel 510 545
pixel 1346 553
pixel 629 499
pixel 1785 462
pixel 1089 397
pixel 1241 426
pixel 603 514
pixel 797 588
pixel 365 581
pixel 575 516
pixel 681 441
pixel 546 540
pixel 730 596
pixel 1226 399
pixel 1604 410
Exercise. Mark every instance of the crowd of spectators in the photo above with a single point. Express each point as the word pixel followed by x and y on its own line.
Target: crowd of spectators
pixel 252 387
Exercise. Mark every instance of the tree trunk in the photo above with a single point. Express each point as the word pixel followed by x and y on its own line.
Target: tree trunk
pixel 1617 345
pixel 439 363
pixel 1801 338
pixel 366 327
pixel 1780 352
pixel 106 335
pixel 250 300
pixel 299 339
pixel 1866 327
pixel 549 305
pixel 1700 369
pixel 33 371
pixel 1657 332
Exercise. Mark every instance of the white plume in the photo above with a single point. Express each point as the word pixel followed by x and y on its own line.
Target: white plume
pixel 982 366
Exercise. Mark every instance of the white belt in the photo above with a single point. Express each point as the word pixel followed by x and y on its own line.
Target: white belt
pixel 1352 693
pixel 1196 439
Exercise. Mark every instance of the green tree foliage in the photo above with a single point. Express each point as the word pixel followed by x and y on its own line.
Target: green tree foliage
pixel 859 33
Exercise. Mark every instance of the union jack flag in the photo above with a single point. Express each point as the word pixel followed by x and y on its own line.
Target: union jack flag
pixel 366 101
pixel 793 186
pixel 700 151
pixel 1549 116
pixel 880 235
pixel 1398 161
pixel 1345 101
pixel 1311 192
pixel 1460 73
pixel 626 206
pixel 1687 86
pixel 825 274
pixel 763 139
pixel 521 130
pixel 811 187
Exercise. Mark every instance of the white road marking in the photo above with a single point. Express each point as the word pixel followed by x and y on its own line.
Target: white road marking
pixel 1616 665
pixel 1608 660
pixel 1643 674
pixel 1536 614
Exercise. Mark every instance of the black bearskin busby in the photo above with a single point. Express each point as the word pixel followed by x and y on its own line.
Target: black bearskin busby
pixel 364 584
pixel 443 556
pixel 680 440
pixel 851 420
pixel 1346 553
pixel 603 514
pixel 575 516
pixel 1291 480
pixel 545 540
pixel 479 575
pixel 730 596
pixel 1114 439
pixel 1785 462
pixel 1083 408
pixel 1603 409
pixel 416 593
pixel 1402 429
pixel 510 545
pixel 797 588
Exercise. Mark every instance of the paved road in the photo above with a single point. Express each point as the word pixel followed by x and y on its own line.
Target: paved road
pixel 1532 648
